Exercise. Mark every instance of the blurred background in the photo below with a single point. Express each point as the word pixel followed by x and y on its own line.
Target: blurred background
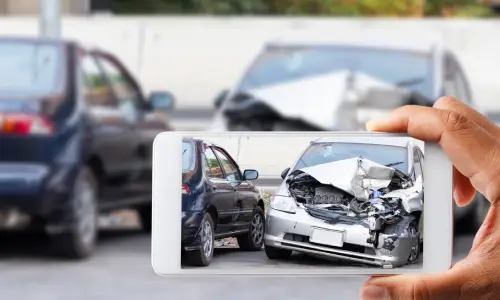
pixel 86 85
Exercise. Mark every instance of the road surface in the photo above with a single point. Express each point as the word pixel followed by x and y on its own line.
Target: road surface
pixel 121 269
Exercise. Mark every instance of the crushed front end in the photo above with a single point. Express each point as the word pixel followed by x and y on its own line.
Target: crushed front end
pixel 353 209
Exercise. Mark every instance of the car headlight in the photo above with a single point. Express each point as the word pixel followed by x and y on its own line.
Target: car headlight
pixel 283 203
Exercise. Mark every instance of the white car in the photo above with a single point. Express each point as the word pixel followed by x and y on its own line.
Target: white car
pixel 316 81
pixel 351 199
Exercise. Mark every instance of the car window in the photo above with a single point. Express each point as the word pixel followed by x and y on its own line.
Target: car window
pixel 188 161
pixel 123 90
pixel 286 64
pixel 215 170
pixel 31 69
pixel 96 90
pixel 326 152
pixel 232 173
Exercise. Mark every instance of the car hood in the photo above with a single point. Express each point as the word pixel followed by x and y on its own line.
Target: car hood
pixel 315 99
pixel 356 176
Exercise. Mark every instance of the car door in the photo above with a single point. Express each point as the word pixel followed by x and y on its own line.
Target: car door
pixel 133 107
pixel 245 197
pixel 224 192
pixel 108 125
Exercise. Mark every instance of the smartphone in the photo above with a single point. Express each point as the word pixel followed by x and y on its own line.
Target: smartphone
pixel 281 203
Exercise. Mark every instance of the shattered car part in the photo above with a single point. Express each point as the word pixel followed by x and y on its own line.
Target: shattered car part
pixel 376 208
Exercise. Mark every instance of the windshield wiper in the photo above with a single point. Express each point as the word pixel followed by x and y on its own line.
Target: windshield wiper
pixel 394 164
pixel 409 82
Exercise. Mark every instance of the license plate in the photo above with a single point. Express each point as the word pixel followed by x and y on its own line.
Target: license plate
pixel 327 237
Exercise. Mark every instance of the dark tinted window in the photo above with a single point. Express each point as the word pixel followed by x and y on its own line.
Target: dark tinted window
pixel 232 173
pixel 213 165
pixel 320 153
pixel 285 64
pixel 31 69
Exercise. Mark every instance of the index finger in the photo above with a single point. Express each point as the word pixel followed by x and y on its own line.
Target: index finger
pixel 473 151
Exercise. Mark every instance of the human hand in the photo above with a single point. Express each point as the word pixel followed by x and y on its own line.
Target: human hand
pixel 472 143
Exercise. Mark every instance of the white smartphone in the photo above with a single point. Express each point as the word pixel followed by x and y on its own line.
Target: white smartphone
pixel 301 203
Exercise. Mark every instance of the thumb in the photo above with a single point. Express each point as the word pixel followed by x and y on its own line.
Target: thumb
pixel 413 287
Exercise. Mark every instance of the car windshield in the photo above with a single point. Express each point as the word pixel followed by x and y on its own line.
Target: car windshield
pixel 30 69
pixel 284 64
pixel 187 156
pixel 321 153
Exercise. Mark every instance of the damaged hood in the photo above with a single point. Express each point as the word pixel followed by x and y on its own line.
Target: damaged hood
pixel 295 100
pixel 356 176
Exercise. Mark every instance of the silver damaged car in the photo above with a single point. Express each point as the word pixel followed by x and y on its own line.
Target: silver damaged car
pixel 351 199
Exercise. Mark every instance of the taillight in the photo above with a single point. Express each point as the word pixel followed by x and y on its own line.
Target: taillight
pixel 25 124
pixel 185 189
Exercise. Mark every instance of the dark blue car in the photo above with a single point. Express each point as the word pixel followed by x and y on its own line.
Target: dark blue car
pixel 218 201
pixel 76 135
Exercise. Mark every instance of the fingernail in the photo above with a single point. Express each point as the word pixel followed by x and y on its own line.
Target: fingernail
pixel 374 292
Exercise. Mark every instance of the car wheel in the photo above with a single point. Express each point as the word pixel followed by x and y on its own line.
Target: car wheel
pixel 204 256
pixel 254 238
pixel 79 241
pixel 415 249
pixel 146 217
pixel 277 253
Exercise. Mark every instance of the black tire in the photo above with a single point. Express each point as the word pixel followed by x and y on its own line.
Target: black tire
pixel 414 252
pixel 79 241
pixel 253 240
pixel 277 253
pixel 201 258
pixel 145 214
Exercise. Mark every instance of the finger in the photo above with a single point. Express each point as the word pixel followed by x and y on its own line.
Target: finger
pixel 413 287
pixel 473 151
pixel 452 104
pixel 463 191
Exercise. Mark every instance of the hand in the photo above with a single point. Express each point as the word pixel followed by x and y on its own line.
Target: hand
pixel 471 142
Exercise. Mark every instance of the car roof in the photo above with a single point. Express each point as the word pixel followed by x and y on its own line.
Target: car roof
pixel 388 141
pixel 364 39
pixel 198 140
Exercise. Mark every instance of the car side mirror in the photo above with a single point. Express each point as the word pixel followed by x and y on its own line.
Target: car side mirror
pixel 161 101
pixel 284 173
pixel 220 98
pixel 250 174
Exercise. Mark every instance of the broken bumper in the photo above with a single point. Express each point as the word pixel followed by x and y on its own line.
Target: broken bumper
pixel 295 232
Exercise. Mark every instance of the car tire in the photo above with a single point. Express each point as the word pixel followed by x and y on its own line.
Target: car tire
pixel 415 251
pixel 277 253
pixel 253 240
pixel 145 214
pixel 203 257
pixel 78 242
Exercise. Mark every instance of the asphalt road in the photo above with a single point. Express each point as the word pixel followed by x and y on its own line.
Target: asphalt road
pixel 121 269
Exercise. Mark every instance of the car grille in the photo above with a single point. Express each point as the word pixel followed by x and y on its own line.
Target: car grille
pixel 346 247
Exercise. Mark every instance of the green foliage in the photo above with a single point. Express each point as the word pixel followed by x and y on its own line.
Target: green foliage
pixel 231 6
pixel 397 8
pixel 440 7
pixel 212 163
